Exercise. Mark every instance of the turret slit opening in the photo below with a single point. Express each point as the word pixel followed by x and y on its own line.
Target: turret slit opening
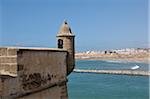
pixel 60 43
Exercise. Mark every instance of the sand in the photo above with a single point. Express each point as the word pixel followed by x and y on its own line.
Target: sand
pixel 145 58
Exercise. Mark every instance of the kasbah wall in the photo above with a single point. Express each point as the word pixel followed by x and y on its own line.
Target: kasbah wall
pixel 37 73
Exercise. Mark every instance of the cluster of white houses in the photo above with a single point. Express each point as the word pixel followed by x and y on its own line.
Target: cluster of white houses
pixel 121 51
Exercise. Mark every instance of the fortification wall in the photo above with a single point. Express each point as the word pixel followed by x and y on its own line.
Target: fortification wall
pixel 33 73
pixel 8 61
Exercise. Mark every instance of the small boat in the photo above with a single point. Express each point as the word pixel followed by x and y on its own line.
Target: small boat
pixel 135 67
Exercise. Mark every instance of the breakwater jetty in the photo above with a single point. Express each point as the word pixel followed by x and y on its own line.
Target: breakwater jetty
pixel 117 72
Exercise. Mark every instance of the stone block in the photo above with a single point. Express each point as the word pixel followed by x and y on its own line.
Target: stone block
pixel 8 59
pixel 11 52
pixel 11 68
pixel 3 51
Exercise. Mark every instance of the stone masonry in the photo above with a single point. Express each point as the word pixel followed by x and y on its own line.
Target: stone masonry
pixel 37 73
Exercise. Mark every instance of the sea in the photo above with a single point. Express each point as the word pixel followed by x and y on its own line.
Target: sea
pixel 108 86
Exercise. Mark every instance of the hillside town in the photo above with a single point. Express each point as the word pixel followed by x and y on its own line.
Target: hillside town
pixel 127 54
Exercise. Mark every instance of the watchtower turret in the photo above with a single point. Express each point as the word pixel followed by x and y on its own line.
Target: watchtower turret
pixel 65 40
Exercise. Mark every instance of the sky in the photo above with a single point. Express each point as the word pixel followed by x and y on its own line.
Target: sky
pixel 97 24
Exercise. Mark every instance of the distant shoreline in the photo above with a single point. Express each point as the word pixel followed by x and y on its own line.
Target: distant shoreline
pixel 119 58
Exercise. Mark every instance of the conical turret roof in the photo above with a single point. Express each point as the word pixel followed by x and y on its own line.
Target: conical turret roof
pixel 65 30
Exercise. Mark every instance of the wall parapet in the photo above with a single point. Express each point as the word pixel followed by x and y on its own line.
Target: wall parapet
pixel 31 70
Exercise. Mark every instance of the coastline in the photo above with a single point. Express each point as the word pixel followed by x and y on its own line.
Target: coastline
pixel 144 58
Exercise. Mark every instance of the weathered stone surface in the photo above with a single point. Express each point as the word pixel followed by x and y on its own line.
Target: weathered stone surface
pixel 8 59
pixel 39 74
pixel 66 37
pixel 11 51
pixel 51 93
pixel 11 68
pixel 3 51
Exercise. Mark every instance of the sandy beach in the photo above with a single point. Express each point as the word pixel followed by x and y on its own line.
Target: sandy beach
pixel 144 58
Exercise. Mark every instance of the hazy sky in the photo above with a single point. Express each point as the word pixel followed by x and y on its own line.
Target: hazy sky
pixel 97 24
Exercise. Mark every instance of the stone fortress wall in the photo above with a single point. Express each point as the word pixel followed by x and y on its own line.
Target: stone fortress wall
pixel 36 73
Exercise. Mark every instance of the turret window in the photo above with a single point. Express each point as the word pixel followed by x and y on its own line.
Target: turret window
pixel 60 43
